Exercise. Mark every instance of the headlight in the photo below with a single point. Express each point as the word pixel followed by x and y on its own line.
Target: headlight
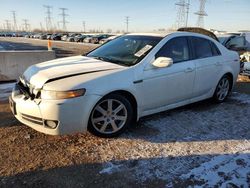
pixel 56 95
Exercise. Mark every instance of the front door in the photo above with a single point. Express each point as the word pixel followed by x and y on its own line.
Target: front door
pixel 165 86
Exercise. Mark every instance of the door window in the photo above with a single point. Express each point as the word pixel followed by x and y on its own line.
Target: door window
pixel 176 48
pixel 202 48
pixel 215 50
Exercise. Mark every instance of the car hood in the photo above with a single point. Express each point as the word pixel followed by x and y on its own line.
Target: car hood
pixel 37 75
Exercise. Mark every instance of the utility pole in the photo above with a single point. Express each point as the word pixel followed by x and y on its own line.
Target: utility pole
pixel 182 14
pixel 187 6
pixel 8 25
pixel 48 18
pixel 127 22
pixel 26 24
pixel 15 28
pixel 58 25
pixel 41 26
pixel 64 15
pixel 84 26
pixel 201 13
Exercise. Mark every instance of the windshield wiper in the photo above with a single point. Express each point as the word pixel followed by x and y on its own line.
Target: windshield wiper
pixel 110 60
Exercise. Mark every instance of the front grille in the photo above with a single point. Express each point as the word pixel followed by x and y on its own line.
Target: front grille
pixel 32 119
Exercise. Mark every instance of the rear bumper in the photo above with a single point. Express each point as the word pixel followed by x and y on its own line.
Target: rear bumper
pixel 71 115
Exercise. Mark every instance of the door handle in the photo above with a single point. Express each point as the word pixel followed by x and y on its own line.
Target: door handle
pixel 189 69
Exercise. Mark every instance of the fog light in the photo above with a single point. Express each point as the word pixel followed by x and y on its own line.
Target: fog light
pixel 51 124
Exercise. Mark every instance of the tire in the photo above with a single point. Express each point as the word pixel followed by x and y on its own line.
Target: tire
pixel 223 89
pixel 111 116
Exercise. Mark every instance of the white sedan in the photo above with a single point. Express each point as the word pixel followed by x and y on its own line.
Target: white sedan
pixel 113 86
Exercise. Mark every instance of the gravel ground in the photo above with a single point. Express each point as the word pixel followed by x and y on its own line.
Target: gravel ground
pixel 199 145
pixel 202 145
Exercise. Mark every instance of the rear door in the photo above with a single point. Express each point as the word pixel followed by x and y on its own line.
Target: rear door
pixel 208 62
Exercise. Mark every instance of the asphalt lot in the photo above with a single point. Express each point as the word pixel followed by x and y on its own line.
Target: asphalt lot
pixel 62 49
pixel 202 144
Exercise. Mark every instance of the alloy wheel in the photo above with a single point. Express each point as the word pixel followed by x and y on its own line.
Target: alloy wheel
pixel 223 89
pixel 109 116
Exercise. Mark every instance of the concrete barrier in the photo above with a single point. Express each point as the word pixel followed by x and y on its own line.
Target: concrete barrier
pixel 14 63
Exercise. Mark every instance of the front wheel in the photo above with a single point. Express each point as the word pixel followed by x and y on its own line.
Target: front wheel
pixel 111 116
pixel 223 89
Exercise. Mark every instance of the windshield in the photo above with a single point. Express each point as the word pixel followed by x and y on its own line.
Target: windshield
pixel 127 50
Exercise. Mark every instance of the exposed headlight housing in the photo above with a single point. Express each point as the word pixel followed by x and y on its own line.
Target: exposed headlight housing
pixel 57 95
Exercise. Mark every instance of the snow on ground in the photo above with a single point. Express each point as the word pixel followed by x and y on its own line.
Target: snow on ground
pixel 5 90
pixel 222 171
pixel 201 145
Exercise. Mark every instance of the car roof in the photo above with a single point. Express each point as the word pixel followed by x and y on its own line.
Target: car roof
pixel 148 34
pixel 176 33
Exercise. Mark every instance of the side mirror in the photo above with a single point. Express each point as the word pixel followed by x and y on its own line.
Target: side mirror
pixel 162 62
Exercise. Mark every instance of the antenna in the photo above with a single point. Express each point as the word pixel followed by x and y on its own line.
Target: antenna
pixel 48 17
pixel 201 13
pixel 63 14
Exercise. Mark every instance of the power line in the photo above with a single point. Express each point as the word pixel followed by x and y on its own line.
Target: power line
pixel 127 20
pixel 201 13
pixel 64 15
pixel 48 18
pixel 15 28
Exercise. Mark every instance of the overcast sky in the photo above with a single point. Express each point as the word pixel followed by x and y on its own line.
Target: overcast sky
pixel 145 15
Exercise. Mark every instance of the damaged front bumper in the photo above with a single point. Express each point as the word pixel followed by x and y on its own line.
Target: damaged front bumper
pixel 53 117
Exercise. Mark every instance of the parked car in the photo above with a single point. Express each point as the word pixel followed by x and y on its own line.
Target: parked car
pixel 64 37
pixel 102 41
pixel 233 42
pixel 56 37
pixel 43 36
pixel 121 81
pixel 80 38
pixel 96 39
pixel 71 37
pixel 245 60
pixel 246 69
pixel 88 39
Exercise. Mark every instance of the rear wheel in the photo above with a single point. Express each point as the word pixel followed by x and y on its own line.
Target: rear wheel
pixel 111 116
pixel 223 89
